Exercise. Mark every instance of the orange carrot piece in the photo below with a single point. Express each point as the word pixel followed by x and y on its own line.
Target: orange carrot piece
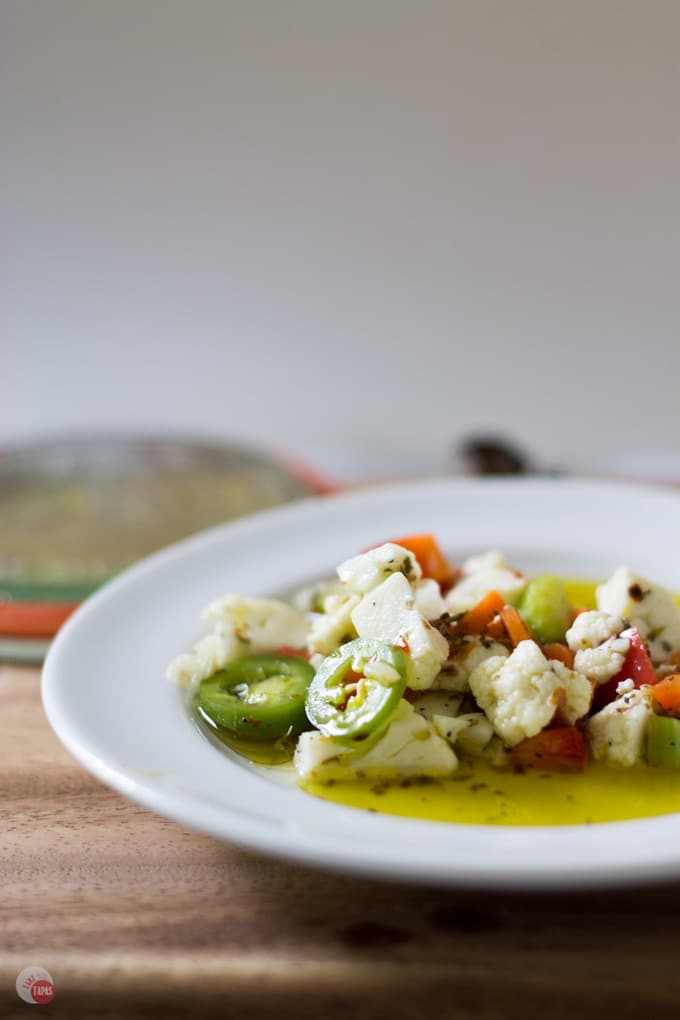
pixel 432 560
pixel 34 619
pixel 477 619
pixel 496 629
pixel 666 694
pixel 561 652
pixel 515 625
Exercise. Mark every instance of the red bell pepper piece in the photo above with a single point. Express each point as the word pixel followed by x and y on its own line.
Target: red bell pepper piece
pixel 297 653
pixel 637 666
pixel 555 750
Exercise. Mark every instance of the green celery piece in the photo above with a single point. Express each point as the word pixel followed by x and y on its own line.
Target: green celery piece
pixel 663 741
pixel 546 608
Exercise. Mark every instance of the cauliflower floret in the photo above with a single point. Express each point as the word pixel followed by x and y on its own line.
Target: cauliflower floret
pixel 617 732
pixel 469 651
pixel 491 560
pixel 600 644
pixel 602 663
pixel 314 751
pixel 408 746
pixel 593 628
pixel 240 627
pixel 471 732
pixel 578 692
pixel 388 614
pixel 312 598
pixel 482 574
pixel 429 601
pixel 365 572
pixel 260 625
pixel 647 607
pixel 330 629
pixel 211 653
pixel 520 694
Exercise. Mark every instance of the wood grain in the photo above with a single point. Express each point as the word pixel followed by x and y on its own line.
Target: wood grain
pixel 135 916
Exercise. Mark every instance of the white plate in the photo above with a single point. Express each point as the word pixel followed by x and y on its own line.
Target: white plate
pixel 106 696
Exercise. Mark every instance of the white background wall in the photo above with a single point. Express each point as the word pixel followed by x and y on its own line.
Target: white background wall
pixel 358 229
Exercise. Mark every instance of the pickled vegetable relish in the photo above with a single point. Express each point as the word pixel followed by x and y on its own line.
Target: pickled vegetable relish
pixel 456 692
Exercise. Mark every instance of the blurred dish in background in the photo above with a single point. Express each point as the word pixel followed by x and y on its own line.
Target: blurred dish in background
pixel 492 455
pixel 74 512
pixel 496 454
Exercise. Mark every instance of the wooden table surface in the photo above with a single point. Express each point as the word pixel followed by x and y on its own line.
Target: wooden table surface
pixel 135 916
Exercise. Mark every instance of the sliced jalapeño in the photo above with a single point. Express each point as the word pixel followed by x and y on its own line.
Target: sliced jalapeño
pixel 258 697
pixel 357 688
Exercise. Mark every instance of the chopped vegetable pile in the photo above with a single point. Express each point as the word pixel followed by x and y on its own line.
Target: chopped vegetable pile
pixel 405 664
